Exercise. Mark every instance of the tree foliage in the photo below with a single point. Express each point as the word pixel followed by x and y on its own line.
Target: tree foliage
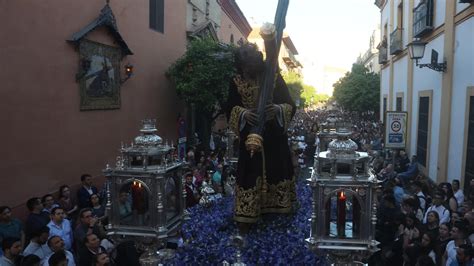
pixel 358 90
pixel 202 75
pixel 295 85
pixel 300 92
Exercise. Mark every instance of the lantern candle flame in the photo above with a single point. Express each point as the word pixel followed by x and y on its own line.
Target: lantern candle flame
pixel 341 215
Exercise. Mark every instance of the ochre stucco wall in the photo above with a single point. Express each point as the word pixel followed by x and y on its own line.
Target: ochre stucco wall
pixel 227 28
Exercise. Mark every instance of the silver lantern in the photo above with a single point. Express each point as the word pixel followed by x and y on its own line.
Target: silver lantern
pixel 145 194
pixel 232 151
pixel 343 201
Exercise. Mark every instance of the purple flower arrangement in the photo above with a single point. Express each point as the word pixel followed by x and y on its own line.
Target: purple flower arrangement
pixel 277 239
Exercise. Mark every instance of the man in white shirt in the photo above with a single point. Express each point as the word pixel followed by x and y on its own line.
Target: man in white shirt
pixel 444 215
pixel 37 245
pixel 56 243
pixel 421 196
pixel 59 226
pixel 458 193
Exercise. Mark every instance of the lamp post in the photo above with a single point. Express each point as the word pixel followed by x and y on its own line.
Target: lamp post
pixel 416 50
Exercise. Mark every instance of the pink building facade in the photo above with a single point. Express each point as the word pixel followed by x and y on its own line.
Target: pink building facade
pixel 47 140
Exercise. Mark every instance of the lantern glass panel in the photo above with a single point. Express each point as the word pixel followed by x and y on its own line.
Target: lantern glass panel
pixel 360 167
pixel 326 166
pixel 155 160
pixel 355 215
pixel 172 195
pixel 133 205
pixel 343 168
pixel 136 161
pixel 344 215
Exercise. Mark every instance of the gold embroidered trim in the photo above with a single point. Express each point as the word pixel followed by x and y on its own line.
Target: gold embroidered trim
pixel 247 202
pixel 248 91
pixel 234 119
pixel 287 111
pixel 280 195
pixel 250 203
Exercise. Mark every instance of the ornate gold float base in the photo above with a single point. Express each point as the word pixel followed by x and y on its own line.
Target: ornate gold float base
pixel 254 143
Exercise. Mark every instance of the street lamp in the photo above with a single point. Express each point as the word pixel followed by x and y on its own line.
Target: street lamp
pixel 417 51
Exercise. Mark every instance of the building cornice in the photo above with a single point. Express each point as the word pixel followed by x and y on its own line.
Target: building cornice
pixel 289 44
pixel 381 4
pixel 233 11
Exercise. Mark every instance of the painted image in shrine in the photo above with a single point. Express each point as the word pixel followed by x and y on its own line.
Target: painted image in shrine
pixel 99 76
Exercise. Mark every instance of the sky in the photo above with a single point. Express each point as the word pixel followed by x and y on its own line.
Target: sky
pixel 326 33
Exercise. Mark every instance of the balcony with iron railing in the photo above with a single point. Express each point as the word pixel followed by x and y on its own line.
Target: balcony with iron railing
pixel 383 51
pixel 396 41
pixel 423 18
pixel 383 55
pixel 289 58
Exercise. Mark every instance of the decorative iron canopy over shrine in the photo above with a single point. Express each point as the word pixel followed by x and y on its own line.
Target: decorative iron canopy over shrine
pixel 106 19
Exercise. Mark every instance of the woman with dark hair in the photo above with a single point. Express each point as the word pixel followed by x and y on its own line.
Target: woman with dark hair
pixel 411 235
pixel 422 247
pixel 413 231
pixel 449 200
pixel 66 202
pixel 428 244
pixel 411 221
pixel 98 210
pixel 432 222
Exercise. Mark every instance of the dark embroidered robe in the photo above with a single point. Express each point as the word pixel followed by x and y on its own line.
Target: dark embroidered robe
pixel 266 182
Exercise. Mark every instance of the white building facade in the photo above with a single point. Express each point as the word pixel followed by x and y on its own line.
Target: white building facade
pixel 440 105
pixel 370 58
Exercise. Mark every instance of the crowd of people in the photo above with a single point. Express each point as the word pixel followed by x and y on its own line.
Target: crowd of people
pixel 63 230
pixel 209 173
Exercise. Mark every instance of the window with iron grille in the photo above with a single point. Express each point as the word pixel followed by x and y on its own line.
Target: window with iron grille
pixel 157 15
pixel 399 104
pixel 469 171
pixel 423 130
pixel 384 107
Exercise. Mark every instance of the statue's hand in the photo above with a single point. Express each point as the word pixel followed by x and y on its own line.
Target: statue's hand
pixel 251 117
pixel 271 110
